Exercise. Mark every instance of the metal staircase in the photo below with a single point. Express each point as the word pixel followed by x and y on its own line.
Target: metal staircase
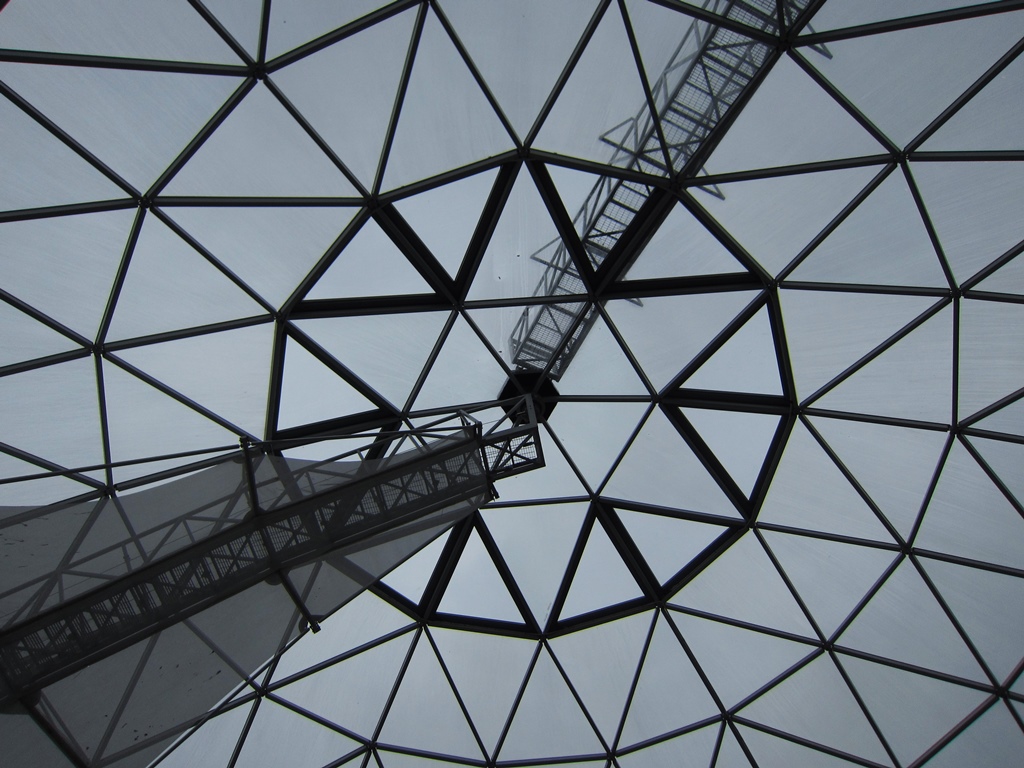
pixel 710 69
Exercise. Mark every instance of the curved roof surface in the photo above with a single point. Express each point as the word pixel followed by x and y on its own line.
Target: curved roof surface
pixel 766 254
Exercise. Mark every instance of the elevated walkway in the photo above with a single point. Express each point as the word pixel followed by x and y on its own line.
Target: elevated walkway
pixel 271 514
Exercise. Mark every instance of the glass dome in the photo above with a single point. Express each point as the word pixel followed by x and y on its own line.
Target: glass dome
pixel 754 265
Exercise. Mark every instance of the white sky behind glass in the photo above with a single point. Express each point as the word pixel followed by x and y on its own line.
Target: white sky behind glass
pixel 941 528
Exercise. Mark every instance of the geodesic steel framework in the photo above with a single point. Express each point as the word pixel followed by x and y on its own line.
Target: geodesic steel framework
pixel 781 518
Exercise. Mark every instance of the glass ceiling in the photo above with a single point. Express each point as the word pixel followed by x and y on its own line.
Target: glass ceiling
pixel 759 260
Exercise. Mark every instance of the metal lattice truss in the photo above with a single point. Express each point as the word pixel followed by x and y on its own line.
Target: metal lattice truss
pixel 329 507
pixel 756 264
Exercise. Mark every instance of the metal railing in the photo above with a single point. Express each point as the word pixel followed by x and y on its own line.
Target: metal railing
pixel 300 510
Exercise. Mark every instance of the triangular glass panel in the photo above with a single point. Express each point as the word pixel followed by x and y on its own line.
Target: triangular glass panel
pixel 536 543
pixel 601 577
pixel 271 249
pixel 827 332
pixel 772 129
pixel 1004 458
pixel 548 722
pixel 462 201
pixel 361 69
pixel 773 752
pixel 524 246
pixel 39 170
pixel 311 392
pixel 250 627
pixel 85 702
pixel 599 366
pixel 241 20
pixel 142 421
pixel 968 516
pixel 691 750
pixel 614 648
pixel 447 383
pixel 476 588
pixel 410 578
pixel 54 413
pixel 815 704
pixel 743 584
pixel 405 541
pixel 746 362
pixel 39 550
pixel 828 503
pixel 991 353
pixel 614 131
pixel 669 692
pixel 660 468
pixel 830 577
pixel 139 754
pixel 260 151
pixel 668 544
pixel 1006 279
pixel 862 248
pixel 124 105
pixel 278 735
pixel 64 266
pixel 179 678
pixel 776 217
pixel 27 339
pixel 924 68
pixel 593 434
pixel 171 31
pixel 425 713
pixel 555 480
pixel 518 51
pixel 371 673
pixel 921 361
pixel 986 121
pixel 359 622
pixel 370 265
pixel 682 247
pixel 972 208
pixel 445 121
pixel 225 372
pixel 902 621
pixel 737 661
pixel 385 351
pixel 744 458
pixel 987 605
pixel 170 286
pixel 991 741
pixel 294 22
pixel 488 698
pixel 213 743
pixel 893 465
pixel 912 711
pixel 663 355
pixel 731 754
pixel 97 525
